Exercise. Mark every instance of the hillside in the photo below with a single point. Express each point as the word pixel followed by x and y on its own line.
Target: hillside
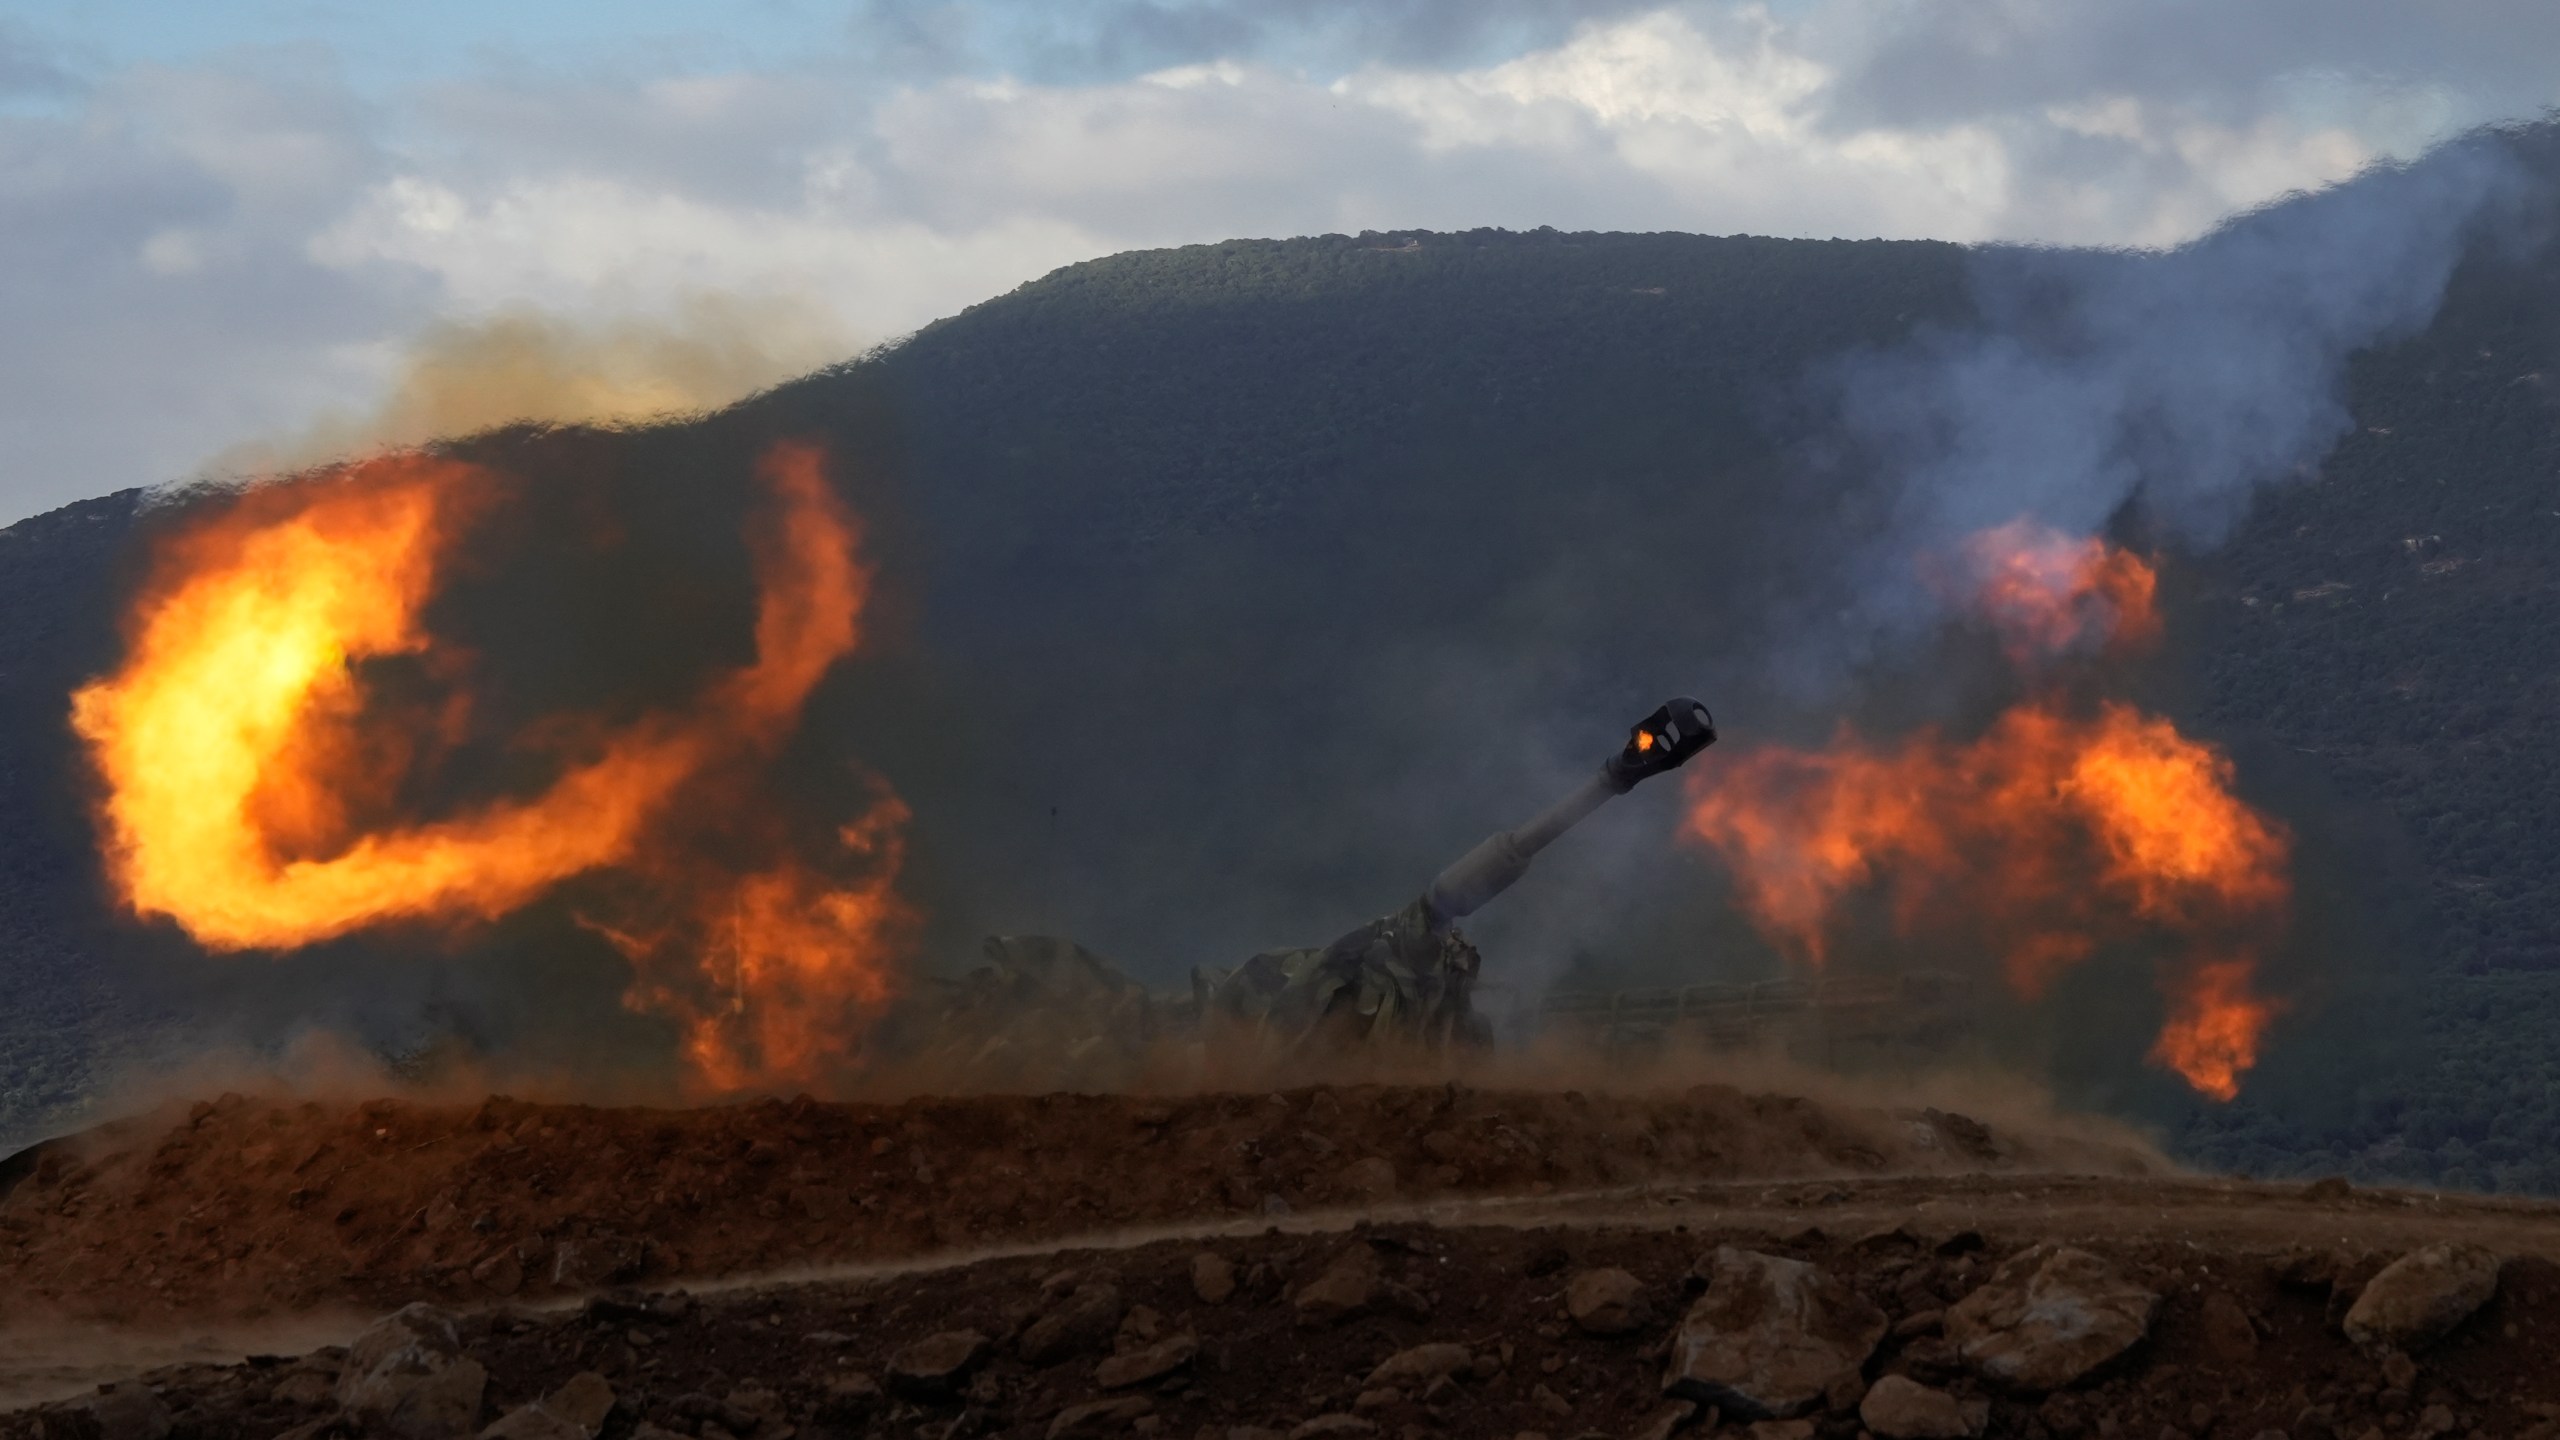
pixel 1236 588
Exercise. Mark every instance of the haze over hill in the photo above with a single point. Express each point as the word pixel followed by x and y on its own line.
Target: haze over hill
pixel 1231 590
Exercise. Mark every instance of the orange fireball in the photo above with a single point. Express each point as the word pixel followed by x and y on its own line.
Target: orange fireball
pixel 2059 828
pixel 2048 594
pixel 226 741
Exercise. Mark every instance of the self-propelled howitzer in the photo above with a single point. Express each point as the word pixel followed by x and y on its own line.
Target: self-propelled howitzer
pixel 1411 975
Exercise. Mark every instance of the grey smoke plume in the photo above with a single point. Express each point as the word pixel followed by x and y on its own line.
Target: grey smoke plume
pixel 2182 381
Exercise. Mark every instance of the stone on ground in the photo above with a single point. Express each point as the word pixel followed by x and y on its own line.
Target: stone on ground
pixel 1081 1323
pixel 1137 1367
pixel 1769 1337
pixel 1348 1286
pixel 406 1377
pixel 1099 1417
pixel 1899 1408
pixel 1419 1366
pixel 1213 1278
pixel 131 1411
pixel 1606 1302
pixel 938 1364
pixel 575 1411
pixel 2419 1298
pixel 2049 1316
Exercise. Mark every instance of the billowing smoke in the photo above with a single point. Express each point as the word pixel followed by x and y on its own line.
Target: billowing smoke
pixel 521 363
pixel 2142 396
pixel 2180 381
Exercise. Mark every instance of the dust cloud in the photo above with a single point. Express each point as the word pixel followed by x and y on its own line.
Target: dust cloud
pixel 524 364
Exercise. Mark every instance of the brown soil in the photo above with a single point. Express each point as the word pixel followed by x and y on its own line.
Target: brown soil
pixel 241 1208
pixel 819 1240
pixel 769 1361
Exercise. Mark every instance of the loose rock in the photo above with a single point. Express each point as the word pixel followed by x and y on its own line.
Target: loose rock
pixel 1421 1365
pixel 1329 1427
pixel 1666 1419
pixel 1769 1336
pixel 1099 1417
pixel 1899 1408
pixel 850 1397
pixel 1348 1286
pixel 1213 1279
pixel 936 1366
pixel 1370 1179
pixel 306 1388
pixel 1083 1322
pixel 2047 1317
pixel 406 1376
pixel 2419 1298
pixel 1606 1302
pixel 131 1411
pixel 575 1411
pixel 1140 1328
pixel 1140 1366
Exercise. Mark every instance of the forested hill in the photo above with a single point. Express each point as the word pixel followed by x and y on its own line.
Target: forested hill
pixel 1233 589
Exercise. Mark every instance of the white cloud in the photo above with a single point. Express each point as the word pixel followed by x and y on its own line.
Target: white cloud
pixel 587 245
pixel 196 256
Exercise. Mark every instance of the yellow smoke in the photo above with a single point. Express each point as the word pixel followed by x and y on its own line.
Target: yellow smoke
pixel 524 364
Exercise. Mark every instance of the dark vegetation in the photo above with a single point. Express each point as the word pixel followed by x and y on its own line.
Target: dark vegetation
pixel 1233 589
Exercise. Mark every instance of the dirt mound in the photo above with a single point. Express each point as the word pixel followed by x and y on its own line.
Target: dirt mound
pixel 244 1207
pixel 1413 1329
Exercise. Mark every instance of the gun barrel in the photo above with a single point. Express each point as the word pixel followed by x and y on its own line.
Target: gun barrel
pixel 1661 742
pixel 1504 856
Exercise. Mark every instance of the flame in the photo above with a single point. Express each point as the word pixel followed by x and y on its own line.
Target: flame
pixel 768 1001
pixel 241 802
pixel 2060 828
pixel 2211 1036
pixel 2048 594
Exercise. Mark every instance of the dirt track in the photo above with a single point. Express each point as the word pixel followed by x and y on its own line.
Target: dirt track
pixel 244 1208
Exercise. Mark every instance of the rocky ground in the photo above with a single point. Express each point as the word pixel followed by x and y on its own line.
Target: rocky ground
pixel 1396 1262
pixel 1900 1331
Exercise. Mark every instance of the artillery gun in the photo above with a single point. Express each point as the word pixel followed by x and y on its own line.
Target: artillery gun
pixel 1046 1010
pixel 1411 975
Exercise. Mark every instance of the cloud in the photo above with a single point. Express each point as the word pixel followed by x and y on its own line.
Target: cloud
pixel 155 297
pixel 200 255
pixel 27 72
pixel 1116 39
pixel 1924 62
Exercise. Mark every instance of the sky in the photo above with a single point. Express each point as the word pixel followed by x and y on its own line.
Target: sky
pixel 229 226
